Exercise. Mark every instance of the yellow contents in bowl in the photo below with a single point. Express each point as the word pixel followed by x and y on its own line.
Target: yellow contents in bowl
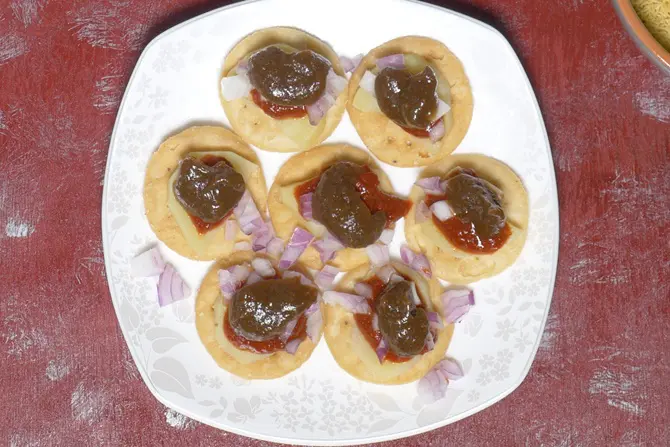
pixel 655 14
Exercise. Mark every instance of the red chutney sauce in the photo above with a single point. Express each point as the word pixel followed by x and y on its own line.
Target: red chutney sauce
pixel 200 225
pixel 364 323
pixel 462 234
pixel 375 199
pixel 267 346
pixel 275 110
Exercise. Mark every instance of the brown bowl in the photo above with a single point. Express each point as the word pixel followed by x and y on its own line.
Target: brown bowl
pixel 642 37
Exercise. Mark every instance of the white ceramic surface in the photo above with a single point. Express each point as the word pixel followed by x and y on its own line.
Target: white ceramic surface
pixel 174 86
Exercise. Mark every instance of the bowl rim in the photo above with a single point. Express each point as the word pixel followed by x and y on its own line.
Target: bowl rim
pixel 641 35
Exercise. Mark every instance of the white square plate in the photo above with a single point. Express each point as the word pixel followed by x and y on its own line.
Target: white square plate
pixel 174 86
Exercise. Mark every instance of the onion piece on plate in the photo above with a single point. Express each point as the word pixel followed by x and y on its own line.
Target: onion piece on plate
pixel 433 386
pixel 353 303
pixel 430 341
pixel 392 61
pixel 387 236
pixel 288 330
pixel 248 217
pixel 350 64
pixel 375 322
pixel 305 205
pixel 382 350
pixel 436 132
pixel 435 321
pixel 233 278
pixel 327 247
pixel 263 267
pixel 415 293
pixel 385 272
pixel 363 289
pixel 324 279
pixel 422 212
pixel 171 287
pixel 292 346
pixel 417 261
pixel 430 185
pixel 147 263
pixel 367 82
pixel 450 368
pixel 253 278
pixel 456 303
pixel 275 247
pixel 314 321
pixel 300 240
pixel 235 87
pixel 378 254
pixel 442 210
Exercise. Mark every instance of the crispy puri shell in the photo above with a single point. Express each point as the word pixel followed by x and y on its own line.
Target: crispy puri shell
pixel 457 266
pixel 254 125
pixel 355 355
pixel 388 141
pixel 267 366
pixel 161 166
pixel 303 167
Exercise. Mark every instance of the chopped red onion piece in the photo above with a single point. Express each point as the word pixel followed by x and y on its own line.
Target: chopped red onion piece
pixel 435 321
pixel 230 229
pixel 363 289
pixel 433 386
pixel 415 294
pixel 367 82
pixel 253 278
pixel 242 67
pixel 417 261
pixel 235 87
pixel 247 214
pixel 316 111
pixel 293 274
pixel 275 247
pixel 423 213
pixel 314 322
pixel 353 303
pixel 437 131
pixel 385 272
pixel 263 267
pixel 350 64
pixel 292 346
pixel 450 368
pixel 392 61
pixel 430 341
pixel 242 246
pixel 386 236
pixel 375 322
pixel 305 205
pixel 262 236
pixel 147 263
pixel 378 254
pixel 327 247
pixel 288 330
pixel 430 185
pixel 442 109
pixel 299 241
pixel 232 279
pixel 442 210
pixel 335 84
pixel 456 303
pixel 326 276
pixel 171 286
pixel 382 350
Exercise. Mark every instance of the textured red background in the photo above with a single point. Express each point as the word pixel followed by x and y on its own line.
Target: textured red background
pixel 601 375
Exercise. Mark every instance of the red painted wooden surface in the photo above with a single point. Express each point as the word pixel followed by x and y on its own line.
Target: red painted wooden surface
pixel 601 375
